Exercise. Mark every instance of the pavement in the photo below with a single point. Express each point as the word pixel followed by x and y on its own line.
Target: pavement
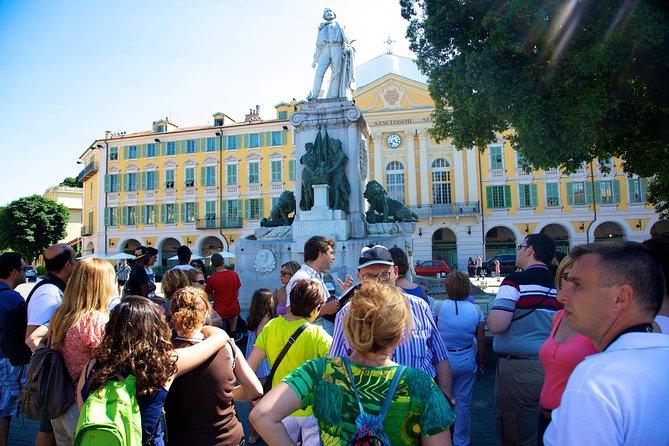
pixel 23 430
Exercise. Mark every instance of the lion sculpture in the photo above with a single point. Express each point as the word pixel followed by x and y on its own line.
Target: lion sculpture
pixel 383 209
pixel 278 216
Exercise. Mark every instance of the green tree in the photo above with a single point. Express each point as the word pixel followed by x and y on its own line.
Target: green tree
pixel 71 182
pixel 32 224
pixel 574 80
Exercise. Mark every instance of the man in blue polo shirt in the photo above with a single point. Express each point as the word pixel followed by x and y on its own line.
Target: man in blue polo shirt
pixel 12 274
pixel 520 319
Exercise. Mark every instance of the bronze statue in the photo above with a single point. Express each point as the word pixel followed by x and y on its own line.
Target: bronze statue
pixel 278 216
pixel 383 209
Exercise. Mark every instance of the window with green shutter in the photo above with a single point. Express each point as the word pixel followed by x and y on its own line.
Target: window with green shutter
pixel 190 146
pixel 150 180
pixel 113 154
pixel 254 172
pixel 211 144
pixel 496 158
pixel 253 140
pixel 131 215
pixel 638 189
pixel 151 150
pixel 527 195
pixel 169 179
pixel 169 216
pixel 276 167
pixel 277 138
pixel 291 170
pixel 552 194
pixel 131 182
pixel 149 214
pixel 233 142
pixel 188 212
pixel 131 152
pixel 282 115
pixel 171 148
pixel 231 174
pixel 498 197
pixel 189 177
pixel 253 209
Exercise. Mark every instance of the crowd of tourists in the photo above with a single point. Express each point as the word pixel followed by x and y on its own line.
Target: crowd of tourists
pixel 99 357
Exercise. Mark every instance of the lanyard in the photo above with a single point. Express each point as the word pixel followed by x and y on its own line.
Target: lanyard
pixel 641 328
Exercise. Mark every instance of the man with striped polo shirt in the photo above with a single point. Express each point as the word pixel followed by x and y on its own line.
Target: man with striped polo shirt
pixel 424 349
pixel 520 319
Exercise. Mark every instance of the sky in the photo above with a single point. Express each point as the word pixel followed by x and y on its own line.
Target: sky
pixel 71 69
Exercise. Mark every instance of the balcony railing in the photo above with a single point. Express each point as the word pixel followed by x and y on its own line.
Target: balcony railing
pixel 219 223
pixel 447 210
pixel 88 171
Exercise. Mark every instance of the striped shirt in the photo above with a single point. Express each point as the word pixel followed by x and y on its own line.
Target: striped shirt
pixel 422 350
pixel 532 298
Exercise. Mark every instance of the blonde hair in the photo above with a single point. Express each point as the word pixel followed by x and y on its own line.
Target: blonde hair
pixel 565 264
pixel 194 273
pixel 190 309
pixel 90 288
pixel 377 317
pixel 173 280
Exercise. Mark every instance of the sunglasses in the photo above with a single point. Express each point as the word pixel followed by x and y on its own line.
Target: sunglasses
pixel 285 273
pixel 201 281
pixel 522 246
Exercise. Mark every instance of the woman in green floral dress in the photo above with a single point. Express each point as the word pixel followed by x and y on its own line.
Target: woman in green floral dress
pixel 375 324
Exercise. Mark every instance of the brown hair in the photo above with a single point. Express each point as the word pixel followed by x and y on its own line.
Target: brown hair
pixel 316 245
pixel 292 267
pixel 377 317
pixel 189 309
pixel 137 341
pixel 458 285
pixel 305 296
pixel 173 280
pixel 261 307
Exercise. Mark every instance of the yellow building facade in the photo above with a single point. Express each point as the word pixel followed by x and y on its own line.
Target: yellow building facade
pixel 207 186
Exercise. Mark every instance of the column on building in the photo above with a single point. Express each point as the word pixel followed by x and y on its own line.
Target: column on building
pixel 425 168
pixel 459 176
pixel 411 165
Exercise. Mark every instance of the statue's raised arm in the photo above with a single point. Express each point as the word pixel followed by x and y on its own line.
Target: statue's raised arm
pixel 332 51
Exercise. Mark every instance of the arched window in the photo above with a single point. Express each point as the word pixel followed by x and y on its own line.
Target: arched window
pixel 441 182
pixel 395 181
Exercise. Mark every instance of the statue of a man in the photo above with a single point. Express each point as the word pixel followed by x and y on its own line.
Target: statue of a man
pixel 333 51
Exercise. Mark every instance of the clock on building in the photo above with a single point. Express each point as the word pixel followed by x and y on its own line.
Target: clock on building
pixel 394 140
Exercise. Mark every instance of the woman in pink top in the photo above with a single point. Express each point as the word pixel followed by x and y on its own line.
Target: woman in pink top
pixel 564 349
pixel 77 327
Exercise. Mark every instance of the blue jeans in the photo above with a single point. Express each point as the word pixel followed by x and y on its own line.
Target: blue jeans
pixel 463 370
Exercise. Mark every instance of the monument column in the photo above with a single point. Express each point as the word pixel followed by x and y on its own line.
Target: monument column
pixel 425 169
pixel 411 164
pixel 378 157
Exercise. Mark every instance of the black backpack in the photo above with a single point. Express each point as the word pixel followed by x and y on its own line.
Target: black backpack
pixel 13 341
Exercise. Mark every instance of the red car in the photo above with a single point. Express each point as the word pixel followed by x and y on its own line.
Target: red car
pixel 432 268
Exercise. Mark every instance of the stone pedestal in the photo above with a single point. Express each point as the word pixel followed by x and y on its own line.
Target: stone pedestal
pixel 343 121
pixel 321 220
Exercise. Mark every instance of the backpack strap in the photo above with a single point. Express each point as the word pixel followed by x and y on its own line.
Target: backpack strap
pixel 389 395
pixel 268 383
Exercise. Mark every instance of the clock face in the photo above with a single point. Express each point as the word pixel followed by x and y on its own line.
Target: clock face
pixel 394 140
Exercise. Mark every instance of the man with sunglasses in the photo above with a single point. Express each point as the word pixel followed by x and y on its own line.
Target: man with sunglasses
pixel 424 349
pixel 520 319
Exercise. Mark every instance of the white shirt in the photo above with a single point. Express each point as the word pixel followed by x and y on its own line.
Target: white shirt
pixel 183 267
pixel 617 397
pixel 43 303
pixel 663 323
pixel 304 273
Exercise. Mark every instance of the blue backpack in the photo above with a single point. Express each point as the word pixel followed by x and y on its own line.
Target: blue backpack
pixel 370 428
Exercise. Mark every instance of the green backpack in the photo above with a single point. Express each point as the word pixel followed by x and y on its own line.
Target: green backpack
pixel 110 416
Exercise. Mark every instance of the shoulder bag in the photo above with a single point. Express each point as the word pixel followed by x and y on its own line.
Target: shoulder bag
pixel 268 382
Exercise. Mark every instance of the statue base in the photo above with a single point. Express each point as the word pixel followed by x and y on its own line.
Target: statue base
pixel 391 228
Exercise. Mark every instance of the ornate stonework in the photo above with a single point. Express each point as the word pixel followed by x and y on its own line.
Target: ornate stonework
pixel 265 261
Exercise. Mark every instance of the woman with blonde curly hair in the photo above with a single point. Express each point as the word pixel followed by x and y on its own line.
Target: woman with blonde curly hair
pixel 200 406
pixel 377 321
pixel 137 341
pixel 77 328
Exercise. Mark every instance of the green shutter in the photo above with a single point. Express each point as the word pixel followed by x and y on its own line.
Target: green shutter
pixel 155 180
pixel 570 193
pixel 598 192
pixel 534 199
pixel 144 184
pixel 107 180
pixel 122 214
pixel 588 191
pixel 197 209
pixel 284 137
pixel 125 152
pixel 247 209
pixel 224 209
pixel 643 186
pixel 616 191
pixel 488 193
pixel 163 214
pixel 183 212
pixel 521 195
pixel 125 182
pixel 261 207
pixel 507 196
pixel 107 217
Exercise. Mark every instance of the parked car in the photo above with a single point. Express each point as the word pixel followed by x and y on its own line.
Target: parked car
pixel 432 268
pixel 507 264
pixel 31 273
